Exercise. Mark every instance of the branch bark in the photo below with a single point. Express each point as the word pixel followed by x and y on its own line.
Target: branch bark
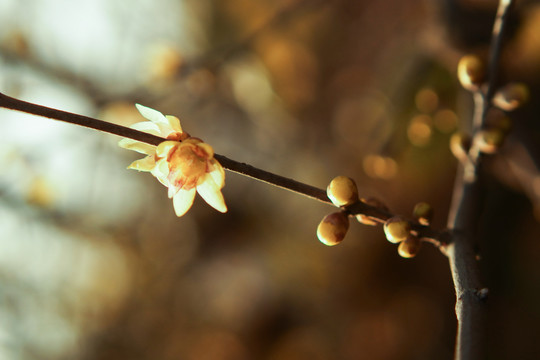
pixel 464 219
pixel 471 296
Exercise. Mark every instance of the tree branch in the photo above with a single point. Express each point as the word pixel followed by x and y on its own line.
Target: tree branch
pixel 377 214
pixel 464 216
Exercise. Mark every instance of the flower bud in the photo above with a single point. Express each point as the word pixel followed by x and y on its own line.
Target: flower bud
pixel 511 96
pixel 489 141
pixel 471 72
pixel 459 145
pixel 410 247
pixel 423 212
pixel 342 191
pixel 333 228
pixel 396 229
pixel 366 220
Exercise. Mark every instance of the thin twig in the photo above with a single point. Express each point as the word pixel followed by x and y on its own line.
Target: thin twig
pixel 463 220
pixel 377 214
pixel 497 37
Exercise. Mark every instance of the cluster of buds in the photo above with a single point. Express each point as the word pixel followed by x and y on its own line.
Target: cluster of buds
pixel 471 74
pixel 398 230
pixel 489 139
pixel 342 191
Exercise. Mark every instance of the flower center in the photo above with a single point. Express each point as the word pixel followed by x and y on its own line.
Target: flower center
pixel 178 136
pixel 187 163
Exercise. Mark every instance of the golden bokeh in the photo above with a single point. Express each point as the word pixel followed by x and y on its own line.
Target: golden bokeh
pixel 420 130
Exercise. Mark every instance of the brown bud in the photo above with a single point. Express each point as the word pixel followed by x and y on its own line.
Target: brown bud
pixel 372 201
pixel 410 247
pixel 489 141
pixel 333 228
pixel 366 220
pixel 471 72
pixel 342 191
pixel 459 145
pixel 423 212
pixel 397 229
pixel 511 96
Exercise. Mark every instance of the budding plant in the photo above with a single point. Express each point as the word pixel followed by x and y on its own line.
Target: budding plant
pixel 187 166
pixel 183 164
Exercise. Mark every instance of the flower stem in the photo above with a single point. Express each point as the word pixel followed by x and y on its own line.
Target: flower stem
pixel 100 125
pixel 309 191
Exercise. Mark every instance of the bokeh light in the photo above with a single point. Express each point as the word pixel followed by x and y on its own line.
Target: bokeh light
pixel 95 265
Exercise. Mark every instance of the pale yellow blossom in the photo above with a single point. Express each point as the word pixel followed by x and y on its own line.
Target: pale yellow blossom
pixel 185 165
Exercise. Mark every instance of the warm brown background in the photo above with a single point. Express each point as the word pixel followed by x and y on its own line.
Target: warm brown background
pixel 93 262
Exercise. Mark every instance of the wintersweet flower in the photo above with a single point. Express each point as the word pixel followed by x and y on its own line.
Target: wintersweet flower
pixel 185 165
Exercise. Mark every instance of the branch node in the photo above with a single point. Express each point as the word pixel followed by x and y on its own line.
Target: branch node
pixel 482 294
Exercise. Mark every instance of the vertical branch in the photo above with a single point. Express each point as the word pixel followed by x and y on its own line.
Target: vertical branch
pixel 463 220
pixel 501 20
pixel 470 294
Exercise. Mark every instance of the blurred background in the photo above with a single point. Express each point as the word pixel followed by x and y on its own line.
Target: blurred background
pixel 95 265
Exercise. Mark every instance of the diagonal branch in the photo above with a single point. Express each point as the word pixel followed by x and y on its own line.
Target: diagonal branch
pixel 377 214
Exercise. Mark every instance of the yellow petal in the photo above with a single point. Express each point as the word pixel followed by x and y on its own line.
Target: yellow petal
pixel 174 123
pixel 166 146
pixel 207 149
pixel 211 193
pixel 162 125
pixel 145 164
pixel 173 190
pixel 217 173
pixel 126 143
pixel 147 127
pixel 161 171
pixel 192 140
pixel 137 146
pixel 183 200
pixel 151 114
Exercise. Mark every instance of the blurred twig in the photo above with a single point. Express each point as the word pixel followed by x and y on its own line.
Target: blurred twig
pixel 213 59
pixel 516 167
pixel 216 57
